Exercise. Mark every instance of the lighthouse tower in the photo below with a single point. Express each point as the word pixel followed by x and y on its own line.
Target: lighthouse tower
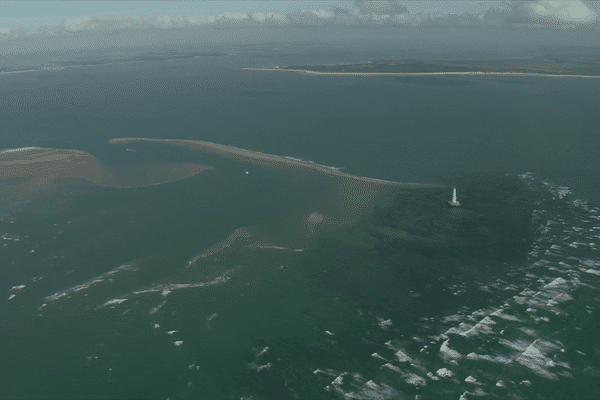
pixel 454 202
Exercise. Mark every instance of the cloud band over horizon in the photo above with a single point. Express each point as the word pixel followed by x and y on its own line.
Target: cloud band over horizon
pixel 501 15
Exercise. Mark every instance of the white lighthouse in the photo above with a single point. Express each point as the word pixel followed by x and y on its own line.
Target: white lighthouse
pixel 454 202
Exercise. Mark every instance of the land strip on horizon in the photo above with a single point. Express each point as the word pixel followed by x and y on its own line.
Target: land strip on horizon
pixel 543 66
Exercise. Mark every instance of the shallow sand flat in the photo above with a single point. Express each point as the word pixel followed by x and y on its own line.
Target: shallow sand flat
pixel 46 162
pixel 268 160
pixel 45 165
pixel 466 73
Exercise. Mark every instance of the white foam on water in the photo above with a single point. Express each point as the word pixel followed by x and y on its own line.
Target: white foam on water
pixel 415 380
pixel 390 346
pixel 326 372
pixel 495 359
pixel 258 368
pixel 432 376
pixel 484 326
pixel 19 149
pixel 385 324
pixel 449 353
pixel 534 358
pixel 559 298
pixel 518 345
pixel 528 331
pixel 101 278
pixel 177 286
pixel 14 291
pixel 557 283
pixel 453 318
pixel 392 367
pixel 403 357
pixel 339 380
pixel 541 287
pixel 263 351
pixel 157 308
pixel 501 314
pixel 444 373
pixel 113 301
pixel 460 329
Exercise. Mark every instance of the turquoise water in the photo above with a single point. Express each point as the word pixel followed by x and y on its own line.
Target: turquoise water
pixel 389 272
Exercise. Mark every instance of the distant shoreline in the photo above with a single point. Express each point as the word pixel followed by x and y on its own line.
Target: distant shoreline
pixel 468 73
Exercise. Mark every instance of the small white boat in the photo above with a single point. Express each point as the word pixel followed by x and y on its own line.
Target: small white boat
pixel 454 202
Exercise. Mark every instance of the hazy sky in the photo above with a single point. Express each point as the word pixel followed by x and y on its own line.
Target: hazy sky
pixel 36 13
pixel 88 24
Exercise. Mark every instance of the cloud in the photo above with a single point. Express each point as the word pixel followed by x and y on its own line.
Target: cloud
pixel 274 17
pixel 311 18
pixel 21 31
pixel 105 22
pixel 180 21
pixel 77 24
pixel 552 13
pixel 339 10
pixel 113 30
pixel 386 7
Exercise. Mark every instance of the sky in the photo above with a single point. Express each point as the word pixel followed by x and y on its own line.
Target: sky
pixel 36 13
pixel 134 23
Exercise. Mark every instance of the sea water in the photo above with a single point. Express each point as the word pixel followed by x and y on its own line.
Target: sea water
pixel 108 295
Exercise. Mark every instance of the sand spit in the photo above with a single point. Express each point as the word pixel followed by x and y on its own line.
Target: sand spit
pixel 268 160
pixel 467 73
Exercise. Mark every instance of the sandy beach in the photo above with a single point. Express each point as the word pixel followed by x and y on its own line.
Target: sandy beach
pixel 468 73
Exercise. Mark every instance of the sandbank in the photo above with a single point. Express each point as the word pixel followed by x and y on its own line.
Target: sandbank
pixel 269 160
pixel 48 164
